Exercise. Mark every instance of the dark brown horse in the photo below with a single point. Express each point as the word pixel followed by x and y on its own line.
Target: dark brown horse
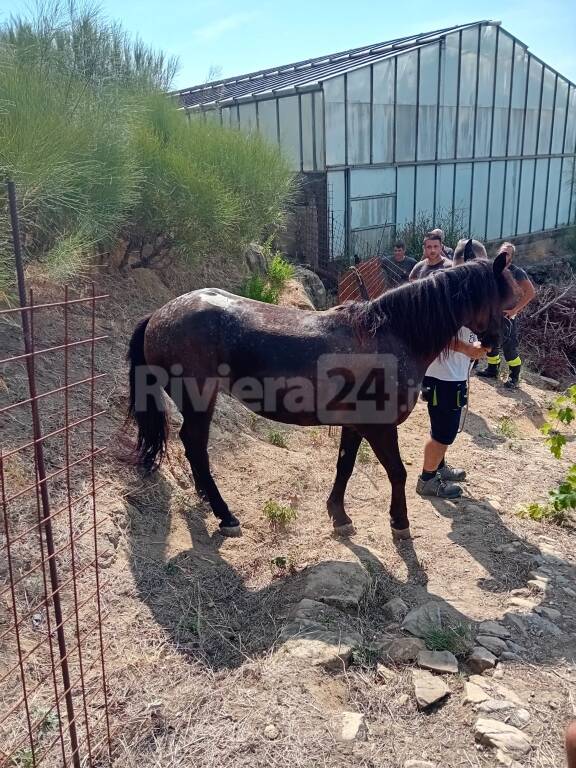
pixel 359 365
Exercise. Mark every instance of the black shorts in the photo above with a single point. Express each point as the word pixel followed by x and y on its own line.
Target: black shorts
pixel 445 402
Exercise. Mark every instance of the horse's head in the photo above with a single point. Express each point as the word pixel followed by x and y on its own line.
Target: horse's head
pixel 488 320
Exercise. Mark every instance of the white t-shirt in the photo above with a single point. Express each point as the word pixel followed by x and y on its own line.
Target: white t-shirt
pixel 455 365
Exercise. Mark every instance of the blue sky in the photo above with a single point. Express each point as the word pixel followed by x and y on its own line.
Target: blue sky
pixel 234 37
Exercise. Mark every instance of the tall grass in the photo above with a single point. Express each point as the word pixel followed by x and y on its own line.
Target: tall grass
pixel 450 221
pixel 98 151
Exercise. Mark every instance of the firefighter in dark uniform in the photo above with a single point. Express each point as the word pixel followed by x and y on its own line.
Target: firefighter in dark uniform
pixel 510 343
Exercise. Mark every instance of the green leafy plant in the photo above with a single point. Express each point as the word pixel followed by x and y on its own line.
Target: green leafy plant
pixel 277 438
pixel 450 221
pixel 282 566
pixel 268 287
pixel 456 638
pixel 365 454
pixel 279 516
pixel 365 655
pixel 507 427
pixel 562 500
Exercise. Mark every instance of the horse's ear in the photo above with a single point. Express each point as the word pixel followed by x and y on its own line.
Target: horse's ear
pixel 468 251
pixel 499 264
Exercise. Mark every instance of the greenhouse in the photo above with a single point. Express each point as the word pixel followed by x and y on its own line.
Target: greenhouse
pixel 461 124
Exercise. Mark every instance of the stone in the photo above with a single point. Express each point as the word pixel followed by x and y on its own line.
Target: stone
pixel 509 739
pixel 420 620
pixel 569 592
pixel 320 647
pixel 542 626
pixel 520 592
pixel 438 661
pixel 339 583
pixel 404 650
pixel 313 286
pixel 506 760
pixel 385 674
pixel 418 764
pixel 314 610
pixel 481 659
pixel 515 648
pixel 518 622
pixel 538 585
pixel 549 613
pixel 494 644
pixel 271 732
pixel 523 603
pixel 494 629
pixel 351 727
pixel 428 688
pixel 505 710
pixel 395 609
pixel 510 656
pixel 474 694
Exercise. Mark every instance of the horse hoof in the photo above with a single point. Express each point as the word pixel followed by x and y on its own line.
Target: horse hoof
pixel 401 534
pixel 231 531
pixel 345 530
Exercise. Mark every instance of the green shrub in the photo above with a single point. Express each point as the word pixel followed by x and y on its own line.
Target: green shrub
pixel 507 427
pixel 450 221
pixel 364 453
pixel 544 513
pixel 268 287
pixel 277 438
pixel 279 516
pixel 456 638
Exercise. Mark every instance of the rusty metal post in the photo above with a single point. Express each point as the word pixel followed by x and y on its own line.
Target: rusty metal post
pixel 27 327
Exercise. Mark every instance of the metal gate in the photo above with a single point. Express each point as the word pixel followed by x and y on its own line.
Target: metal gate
pixel 53 689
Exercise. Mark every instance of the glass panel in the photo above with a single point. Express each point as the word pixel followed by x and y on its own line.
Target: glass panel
pixel 337 213
pixel 479 201
pixel 533 104
pixel 290 128
pixel 373 181
pixel 545 134
pixel 468 69
pixel 511 198
pixel 383 112
pixel 565 190
pixel 267 123
pixel 358 95
pixel 485 90
pixel 448 97
pixel 518 99
pixel 335 119
pixel 462 188
pixel 495 199
pixel 247 114
pixel 307 132
pixel 367 243
pixel 444 185
pixel 553 193
pixel 539 202
pixel 406 107
pixel 502 94
pixel 319 130
pixel 425 191
pixel 372 211
pixel 569 145
pixel 559 116
pixel 428 98
pixel 525 203
pixel 405 196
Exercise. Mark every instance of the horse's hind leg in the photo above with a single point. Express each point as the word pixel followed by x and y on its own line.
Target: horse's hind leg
pixel 194 435
pixel 349 443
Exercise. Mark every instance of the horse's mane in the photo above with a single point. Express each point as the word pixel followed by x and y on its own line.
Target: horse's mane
pixel 428 313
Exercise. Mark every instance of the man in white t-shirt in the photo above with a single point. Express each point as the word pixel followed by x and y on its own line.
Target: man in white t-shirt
pixel 445 388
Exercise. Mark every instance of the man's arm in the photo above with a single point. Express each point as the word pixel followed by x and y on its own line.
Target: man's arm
pixel 527 294
pixel 473 351
pixel 415 273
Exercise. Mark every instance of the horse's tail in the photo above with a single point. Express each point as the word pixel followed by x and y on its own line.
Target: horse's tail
pixel 150 416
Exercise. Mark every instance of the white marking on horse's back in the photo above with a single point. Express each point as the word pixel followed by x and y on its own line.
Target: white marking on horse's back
pixel 218 299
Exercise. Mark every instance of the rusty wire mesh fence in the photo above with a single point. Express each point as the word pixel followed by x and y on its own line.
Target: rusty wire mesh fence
pixel 53 688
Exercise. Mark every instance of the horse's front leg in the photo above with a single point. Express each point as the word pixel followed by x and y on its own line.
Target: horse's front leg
pixel 384 442
pixel 349 443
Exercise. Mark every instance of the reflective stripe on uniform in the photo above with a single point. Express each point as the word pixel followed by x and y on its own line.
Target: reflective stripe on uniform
pixel 493 360
pixel 514 363
pixel 435 397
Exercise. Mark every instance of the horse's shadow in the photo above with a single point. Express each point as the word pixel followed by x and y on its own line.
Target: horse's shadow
pixel 212 616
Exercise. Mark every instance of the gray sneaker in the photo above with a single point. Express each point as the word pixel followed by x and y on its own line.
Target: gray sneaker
pixel 448 473
pixel 438 487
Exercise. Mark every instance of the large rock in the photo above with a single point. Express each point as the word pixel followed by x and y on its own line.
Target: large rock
pixel 542 626
pixel 318 646
pixel 438 661
pixel 395 609
pixel 474 694
pixel 481 659
pixel 314 610
pixel 428 688
pixel 339 583
pixel 495 688
pixel 507 711
pixel 403 650
pixel 351 727
pixel 494 644
pixel 428 616
pixel 313 286
pixel 494 629
pixel 503 736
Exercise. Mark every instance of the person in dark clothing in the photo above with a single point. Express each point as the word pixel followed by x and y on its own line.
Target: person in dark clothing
pixel 447 252
pixel 398 267
pixel 510 337
pixel 433 259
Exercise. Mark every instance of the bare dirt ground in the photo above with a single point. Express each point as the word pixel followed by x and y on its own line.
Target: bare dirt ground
pixel 194 673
